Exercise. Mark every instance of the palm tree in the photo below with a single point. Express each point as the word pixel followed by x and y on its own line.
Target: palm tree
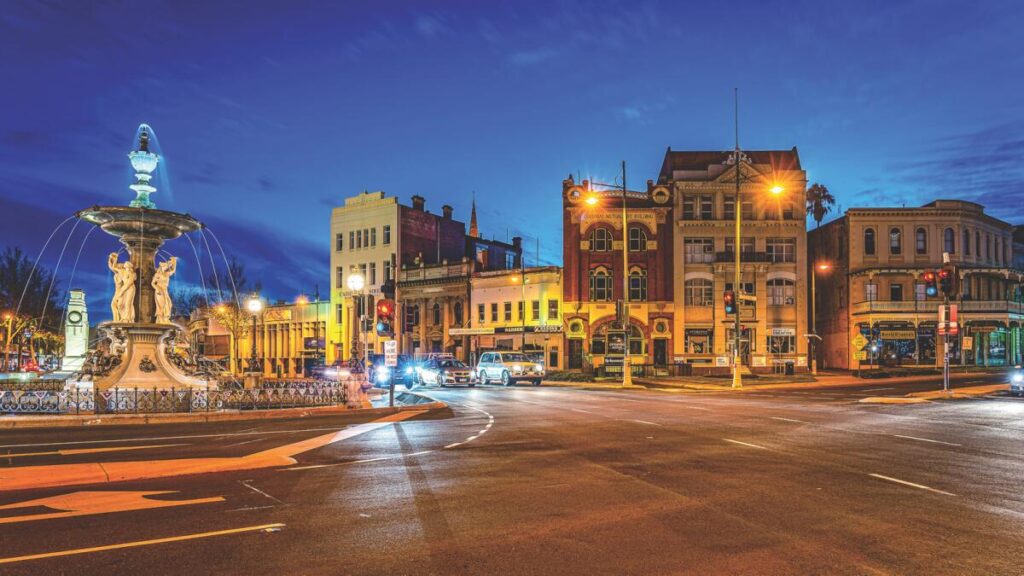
pixel 819 202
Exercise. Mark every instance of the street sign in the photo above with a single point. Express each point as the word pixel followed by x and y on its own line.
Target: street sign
pixel 860 355
pixel 859 342
pixel 967 342
pixel 391 353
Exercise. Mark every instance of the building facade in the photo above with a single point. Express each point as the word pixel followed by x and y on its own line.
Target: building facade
pixel 517 310
pixel 872 305
pixel 773 250
pixel 286 337
pixel 593 278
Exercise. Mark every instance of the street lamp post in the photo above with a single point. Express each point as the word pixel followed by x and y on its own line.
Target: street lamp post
pixel 355 284
pixel 627 372
pixel 823 267
pixel 255 306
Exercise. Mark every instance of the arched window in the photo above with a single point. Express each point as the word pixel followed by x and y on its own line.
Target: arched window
pixel 977 244
pixel 895 241
pixel 600 240
pixel 436 314
pixel 600 285
pixel 949 241
pixel 457 312
pixel 699 292
pixel 781 292
pixel 988 246
pixel 921 241
pixel 637 240
pixel 638 285
pixel 967 242
pixel 636 341
pixel 869 242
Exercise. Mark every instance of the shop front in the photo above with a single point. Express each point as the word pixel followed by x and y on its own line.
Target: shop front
pixel 986 343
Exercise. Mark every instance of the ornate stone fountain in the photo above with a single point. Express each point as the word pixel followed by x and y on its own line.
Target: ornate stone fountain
pixel 141 341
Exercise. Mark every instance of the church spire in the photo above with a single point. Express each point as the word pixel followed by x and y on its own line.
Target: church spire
pixel 473 230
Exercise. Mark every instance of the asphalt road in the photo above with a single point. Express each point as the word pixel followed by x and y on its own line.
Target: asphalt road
pixel 553 481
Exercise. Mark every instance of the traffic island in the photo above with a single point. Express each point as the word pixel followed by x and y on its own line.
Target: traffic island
pixel 928 396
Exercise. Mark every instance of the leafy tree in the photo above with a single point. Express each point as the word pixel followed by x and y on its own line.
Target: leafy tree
pixel 819 202
pixel 41 307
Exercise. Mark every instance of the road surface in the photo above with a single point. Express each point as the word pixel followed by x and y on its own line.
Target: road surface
pixel 548 481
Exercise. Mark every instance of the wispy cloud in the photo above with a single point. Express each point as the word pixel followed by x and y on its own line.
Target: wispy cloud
pixel 531 57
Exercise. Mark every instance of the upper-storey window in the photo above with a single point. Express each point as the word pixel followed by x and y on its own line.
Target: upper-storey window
pixel 967 242
pixel 781 249
pixel 600 240
pixel 600 285
pixel 637 240
pixel 921 241
pixel 949 241
pixel 895 242
pixel 869 242
pixel 387 234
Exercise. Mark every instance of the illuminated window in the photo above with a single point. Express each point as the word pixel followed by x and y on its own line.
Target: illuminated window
pixel 699 292
pixel 895 241
pixel 781 292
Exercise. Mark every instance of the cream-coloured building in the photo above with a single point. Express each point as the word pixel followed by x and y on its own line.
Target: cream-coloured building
pixel 773 306
pixel 517 310
pixel 364 239
pixel 874 292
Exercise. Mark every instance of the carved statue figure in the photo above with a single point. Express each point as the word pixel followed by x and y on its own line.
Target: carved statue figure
pixel 122 305
pixel 161 283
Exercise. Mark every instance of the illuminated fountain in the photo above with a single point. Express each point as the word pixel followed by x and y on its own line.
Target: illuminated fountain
pixel 141 347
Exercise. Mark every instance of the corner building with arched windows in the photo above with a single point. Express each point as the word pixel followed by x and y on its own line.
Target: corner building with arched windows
pixel 593 275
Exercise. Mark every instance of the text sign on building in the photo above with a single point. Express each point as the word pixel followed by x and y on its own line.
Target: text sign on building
pixel 391 353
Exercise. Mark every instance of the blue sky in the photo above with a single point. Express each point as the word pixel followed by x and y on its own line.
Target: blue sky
pixel 269 115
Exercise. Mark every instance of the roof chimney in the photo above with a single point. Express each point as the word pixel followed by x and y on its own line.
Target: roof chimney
pixel 446 212
pixel 419 202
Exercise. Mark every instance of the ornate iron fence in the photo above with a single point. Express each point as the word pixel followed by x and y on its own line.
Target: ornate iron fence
pixel 171 400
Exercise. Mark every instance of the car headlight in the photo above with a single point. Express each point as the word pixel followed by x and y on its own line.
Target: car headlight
pixel 408 370
pixel 517 368
pixel 1018 378
pixel 538 367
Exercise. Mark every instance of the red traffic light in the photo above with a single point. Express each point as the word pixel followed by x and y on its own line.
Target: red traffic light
pixel 729 298
pixel 383 308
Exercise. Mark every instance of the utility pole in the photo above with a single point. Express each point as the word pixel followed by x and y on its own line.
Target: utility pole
pixel 627 371
pixel 737 377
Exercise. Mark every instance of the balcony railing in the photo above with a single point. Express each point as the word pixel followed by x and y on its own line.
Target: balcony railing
pixel 931 306
pixel 727 257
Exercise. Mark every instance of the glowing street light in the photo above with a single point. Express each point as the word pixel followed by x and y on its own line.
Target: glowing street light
pixel 777 189
pixel 254 305
pixel 819 267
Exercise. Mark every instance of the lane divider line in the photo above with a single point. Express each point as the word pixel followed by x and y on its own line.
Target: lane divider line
pixel 139 543
pixel 905 483
pixel 748 444
pixel 926 440
pixel 789 420
pixel 77 451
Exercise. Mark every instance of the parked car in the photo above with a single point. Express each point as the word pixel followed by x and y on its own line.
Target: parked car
pixel 1017 382
pixel 445 371
pixel 508 368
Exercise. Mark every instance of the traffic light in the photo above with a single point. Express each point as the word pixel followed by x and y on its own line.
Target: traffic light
pixel 931 287
pixel 729 297
pixel 947 281
pixel 385 317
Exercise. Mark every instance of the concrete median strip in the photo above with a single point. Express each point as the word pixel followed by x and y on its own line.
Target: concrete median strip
pixel 29 477
pixel 953 394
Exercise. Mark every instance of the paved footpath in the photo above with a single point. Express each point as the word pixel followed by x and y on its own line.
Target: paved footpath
pixel 528 480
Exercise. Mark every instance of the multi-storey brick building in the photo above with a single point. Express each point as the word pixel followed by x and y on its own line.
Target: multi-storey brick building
pixel 773 252
pixel 874 286
pixel 593 240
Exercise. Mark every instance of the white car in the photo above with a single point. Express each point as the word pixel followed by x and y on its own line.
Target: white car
pixel 508 368
pixel 1017 382
pixel 445 371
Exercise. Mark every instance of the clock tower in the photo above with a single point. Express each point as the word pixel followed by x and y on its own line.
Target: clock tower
pixel 76 332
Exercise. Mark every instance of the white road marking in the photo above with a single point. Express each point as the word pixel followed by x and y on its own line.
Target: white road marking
pixel 878 389
pixel 646 422
pixel 581 410
pixel 745 444
pixel 258 491
pixel 905 483
pixel 789 419
pixel 926 440
pixel 697 408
